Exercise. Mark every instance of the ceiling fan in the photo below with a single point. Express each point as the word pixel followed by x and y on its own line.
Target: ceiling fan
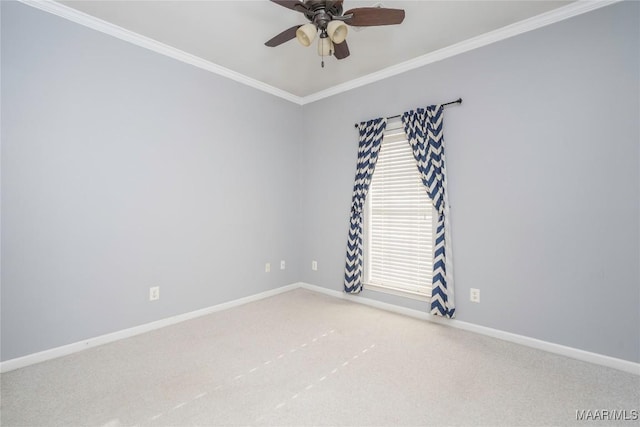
pixel 327 18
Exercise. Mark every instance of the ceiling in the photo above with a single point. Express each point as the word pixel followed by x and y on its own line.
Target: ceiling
pixel 231 34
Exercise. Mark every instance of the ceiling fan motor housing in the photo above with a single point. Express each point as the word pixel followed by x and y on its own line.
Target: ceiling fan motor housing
pixel 321 12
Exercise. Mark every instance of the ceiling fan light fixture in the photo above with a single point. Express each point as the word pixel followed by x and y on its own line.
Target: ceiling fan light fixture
pixel 306 33
pixel 337 31
pixel 325 46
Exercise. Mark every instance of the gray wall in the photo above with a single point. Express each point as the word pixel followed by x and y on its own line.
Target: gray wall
pixel 543 179
pixel 124 169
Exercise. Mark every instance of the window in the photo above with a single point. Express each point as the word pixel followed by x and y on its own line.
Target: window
pixel 399 222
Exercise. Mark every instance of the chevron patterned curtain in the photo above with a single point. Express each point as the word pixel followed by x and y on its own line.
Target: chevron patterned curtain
pixel 371 133
pixel 424 132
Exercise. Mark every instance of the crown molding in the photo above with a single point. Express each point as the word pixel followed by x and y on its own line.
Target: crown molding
pixel 105 27
pixel 572 9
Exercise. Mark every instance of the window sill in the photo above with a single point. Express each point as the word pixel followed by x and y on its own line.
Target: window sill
pixel 399 292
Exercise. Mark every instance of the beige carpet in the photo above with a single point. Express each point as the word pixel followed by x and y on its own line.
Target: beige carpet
pixel 302 358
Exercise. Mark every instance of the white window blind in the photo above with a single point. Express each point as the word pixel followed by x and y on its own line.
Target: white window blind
pixel 399 221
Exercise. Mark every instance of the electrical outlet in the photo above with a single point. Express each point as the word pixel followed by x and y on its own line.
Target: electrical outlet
pixel 154 293
pixel 267 267
pixel 474 295
pixel 314 265
pixel 282 265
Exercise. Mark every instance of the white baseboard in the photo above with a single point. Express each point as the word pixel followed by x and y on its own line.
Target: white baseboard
pixel 585 356
pixel 42 356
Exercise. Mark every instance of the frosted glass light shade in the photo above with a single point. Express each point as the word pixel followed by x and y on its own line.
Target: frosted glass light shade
pixel 325 47
pixel 337 31
pixel 306 33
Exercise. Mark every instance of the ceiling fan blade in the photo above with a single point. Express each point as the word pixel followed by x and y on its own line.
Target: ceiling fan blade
pixel 372 16
pixel 296 5
pixel 283 37
pixel 341 51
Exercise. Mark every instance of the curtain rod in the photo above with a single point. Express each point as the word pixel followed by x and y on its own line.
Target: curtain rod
pixel 457 101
